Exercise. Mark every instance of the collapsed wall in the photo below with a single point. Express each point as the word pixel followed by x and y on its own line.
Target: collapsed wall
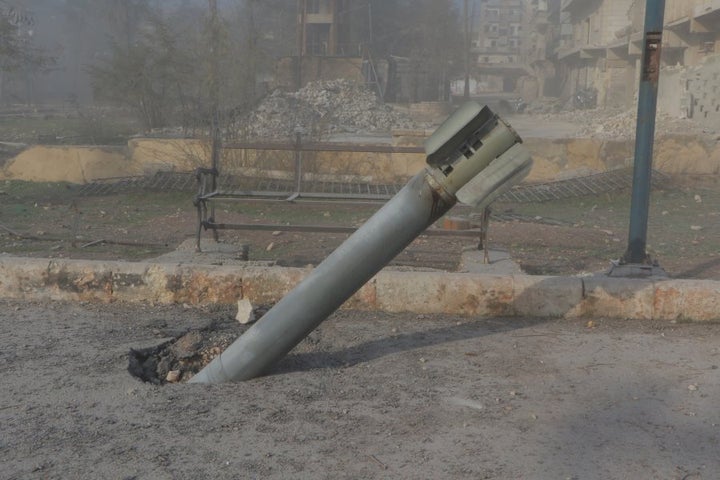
pixel 692 92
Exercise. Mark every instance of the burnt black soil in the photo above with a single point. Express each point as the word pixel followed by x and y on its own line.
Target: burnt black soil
pixel 179 359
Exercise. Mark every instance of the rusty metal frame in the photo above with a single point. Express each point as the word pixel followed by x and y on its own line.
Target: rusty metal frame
pixel 209 191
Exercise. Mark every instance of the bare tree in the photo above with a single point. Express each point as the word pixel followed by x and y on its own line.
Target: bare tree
pixel 18 53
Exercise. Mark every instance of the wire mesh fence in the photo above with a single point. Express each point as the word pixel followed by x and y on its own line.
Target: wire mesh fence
pixel 282 184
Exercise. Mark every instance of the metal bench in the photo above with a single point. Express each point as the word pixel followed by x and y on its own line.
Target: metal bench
pixel 214 186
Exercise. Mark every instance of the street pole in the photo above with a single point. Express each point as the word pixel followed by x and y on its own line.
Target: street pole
pixel 466 14
pixel 636 256
pixel 301 38
pixel 214 99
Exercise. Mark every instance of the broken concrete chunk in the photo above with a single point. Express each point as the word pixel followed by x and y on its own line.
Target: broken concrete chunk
pixel 246 313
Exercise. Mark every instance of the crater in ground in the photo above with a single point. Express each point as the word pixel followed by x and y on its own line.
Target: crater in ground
pixel 178 360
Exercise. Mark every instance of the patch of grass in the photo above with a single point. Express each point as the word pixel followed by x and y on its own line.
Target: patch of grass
pixel 96 128
pixel 299 213
pixel 37 190
pixel 676 216
pixel 36 206
pixel 611 211
pixel 135 209
pixel 683 230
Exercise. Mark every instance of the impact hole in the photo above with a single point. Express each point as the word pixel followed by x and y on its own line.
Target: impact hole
pixel 178 360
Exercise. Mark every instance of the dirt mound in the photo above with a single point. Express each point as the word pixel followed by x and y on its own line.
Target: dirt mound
pixel 336 106
pixel 180 359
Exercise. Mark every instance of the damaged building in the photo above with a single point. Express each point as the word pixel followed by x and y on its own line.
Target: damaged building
pixel 331 44
pixel 690 79
pixel 334 39
pixel 600 47
pixel 509 44
pixel 593 54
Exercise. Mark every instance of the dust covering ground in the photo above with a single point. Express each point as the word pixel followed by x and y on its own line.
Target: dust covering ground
pixel 367 395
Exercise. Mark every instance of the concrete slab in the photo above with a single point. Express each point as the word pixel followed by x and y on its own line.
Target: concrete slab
pixel 543 296
pixel 465 294
pixel 616 298
pixel 470 294
pixel 687 300
pixel 472 261
pixel 211 253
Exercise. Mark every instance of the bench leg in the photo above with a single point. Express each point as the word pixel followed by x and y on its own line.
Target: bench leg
pixel 484 227
pixel 200 207
pixel 216 237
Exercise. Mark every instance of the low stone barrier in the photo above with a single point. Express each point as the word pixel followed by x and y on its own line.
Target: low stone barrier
pixel 391 291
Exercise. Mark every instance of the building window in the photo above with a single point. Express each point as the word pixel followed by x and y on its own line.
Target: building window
pixel 313 6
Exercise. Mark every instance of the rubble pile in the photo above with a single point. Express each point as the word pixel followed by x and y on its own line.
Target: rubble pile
pixel 616 125
pixel 320 108
pixel 607 124
pixel 544 105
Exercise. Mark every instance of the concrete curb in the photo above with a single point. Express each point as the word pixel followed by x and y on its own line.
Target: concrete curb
pixel 392 291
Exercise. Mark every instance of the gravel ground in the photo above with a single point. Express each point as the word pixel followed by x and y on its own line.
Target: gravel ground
pixel 365 396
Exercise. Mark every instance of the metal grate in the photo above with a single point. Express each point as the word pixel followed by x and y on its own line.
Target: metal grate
pixel 160 181
pixel 578 187
pixel 528 193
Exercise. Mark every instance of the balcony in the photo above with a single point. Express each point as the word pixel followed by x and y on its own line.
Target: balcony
pixel 321 18
pixel 573 5
pixel 708 8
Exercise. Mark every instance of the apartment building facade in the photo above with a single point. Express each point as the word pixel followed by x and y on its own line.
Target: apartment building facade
pixel 593 52
pixel 600 45
pixel 329 44
pixel 690 80
pixel 324 28
pixel 509 47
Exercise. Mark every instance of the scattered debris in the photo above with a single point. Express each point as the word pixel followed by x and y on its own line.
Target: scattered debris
pixel 245 313
pixel 178 360
pixel 614 124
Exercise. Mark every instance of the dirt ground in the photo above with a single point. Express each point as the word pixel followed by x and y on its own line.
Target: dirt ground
pixel 567 237
pixel 368 395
